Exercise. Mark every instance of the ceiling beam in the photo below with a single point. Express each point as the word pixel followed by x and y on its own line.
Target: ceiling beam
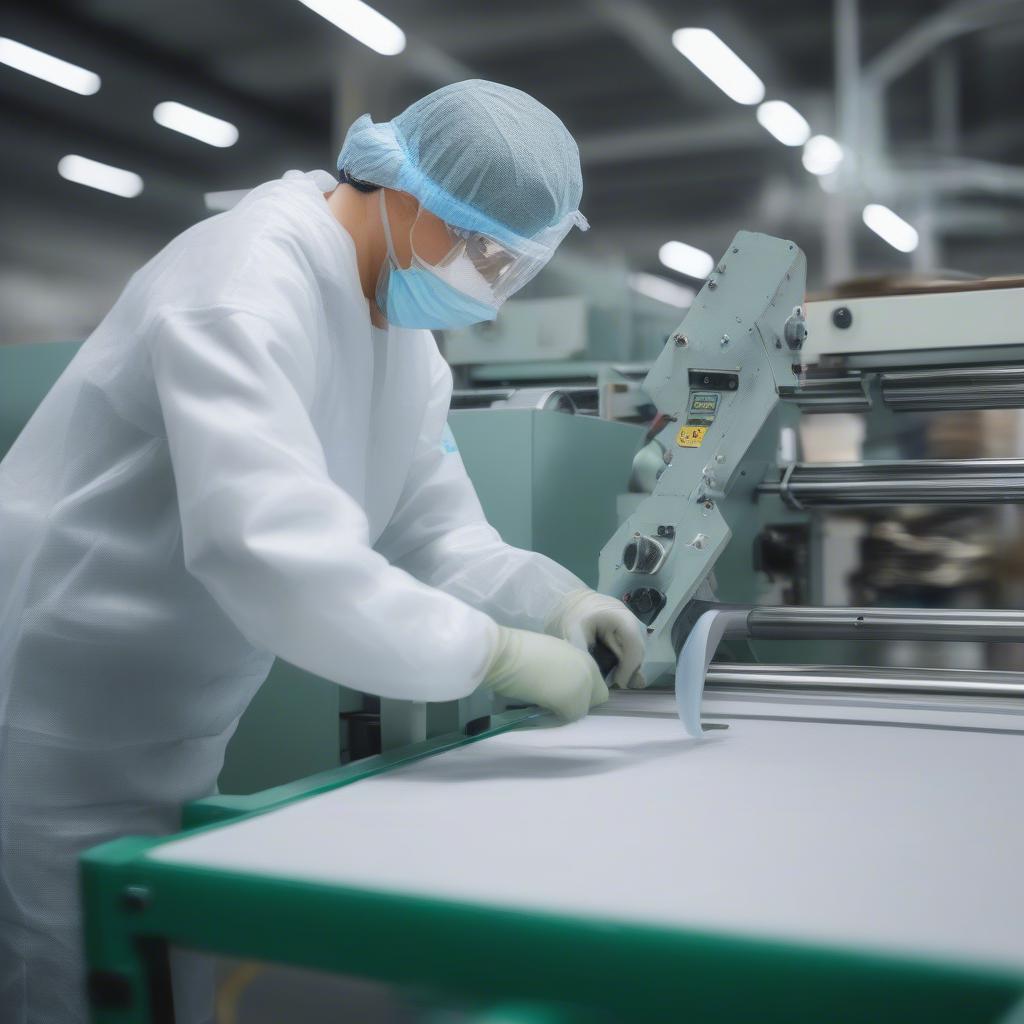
pixel 928 34
pixel 736 131
pixel 490 33
pixel 643 28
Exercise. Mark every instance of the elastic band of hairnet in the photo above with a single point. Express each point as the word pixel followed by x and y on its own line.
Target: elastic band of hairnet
pixel 461 215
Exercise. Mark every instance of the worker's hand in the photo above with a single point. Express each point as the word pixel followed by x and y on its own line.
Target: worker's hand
pixel 585 617
pixel 538 669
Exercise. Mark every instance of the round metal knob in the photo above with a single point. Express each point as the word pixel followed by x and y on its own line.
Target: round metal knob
pixel 842 317
pixel 795 329
pixel 643 554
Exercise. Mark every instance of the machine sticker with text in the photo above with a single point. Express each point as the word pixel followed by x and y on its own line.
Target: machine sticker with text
pixel 703 404
pixel 692 435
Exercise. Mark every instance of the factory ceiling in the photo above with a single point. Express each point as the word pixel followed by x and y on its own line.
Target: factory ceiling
pixel 665 153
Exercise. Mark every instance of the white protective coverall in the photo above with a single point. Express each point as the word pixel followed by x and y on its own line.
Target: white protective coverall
pixel 236 465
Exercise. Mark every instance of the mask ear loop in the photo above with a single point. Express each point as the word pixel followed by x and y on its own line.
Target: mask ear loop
pixel 388 265
pixel 387 227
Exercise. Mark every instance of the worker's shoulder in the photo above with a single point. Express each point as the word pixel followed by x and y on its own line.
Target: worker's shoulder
pixel 266 255
pixel 280 226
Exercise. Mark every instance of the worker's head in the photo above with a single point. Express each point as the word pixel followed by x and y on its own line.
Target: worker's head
pixel 480 183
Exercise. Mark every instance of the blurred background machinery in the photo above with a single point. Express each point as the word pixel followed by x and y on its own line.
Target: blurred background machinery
pixel 883 139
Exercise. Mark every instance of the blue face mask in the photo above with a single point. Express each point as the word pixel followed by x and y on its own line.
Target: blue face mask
pixel 417 297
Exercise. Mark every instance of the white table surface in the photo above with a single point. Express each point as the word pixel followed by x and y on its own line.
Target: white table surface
pixel 885 825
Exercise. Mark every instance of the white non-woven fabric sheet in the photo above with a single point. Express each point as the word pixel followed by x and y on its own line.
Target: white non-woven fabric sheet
pixel 815 822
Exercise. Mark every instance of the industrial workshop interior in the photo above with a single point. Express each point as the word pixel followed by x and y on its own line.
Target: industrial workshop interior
pixel 511 513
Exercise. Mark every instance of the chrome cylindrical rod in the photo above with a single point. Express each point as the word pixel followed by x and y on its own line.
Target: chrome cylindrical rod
pixel 993 387
pixel 861 679
pixel 933 481
pixel 885 624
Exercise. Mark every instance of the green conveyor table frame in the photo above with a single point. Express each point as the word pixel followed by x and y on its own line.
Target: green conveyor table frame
pixel 539 966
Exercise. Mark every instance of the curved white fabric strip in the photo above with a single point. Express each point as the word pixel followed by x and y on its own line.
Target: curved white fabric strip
pixel 694 660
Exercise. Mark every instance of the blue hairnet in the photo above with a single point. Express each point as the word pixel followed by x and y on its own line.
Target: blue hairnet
pixel 481 156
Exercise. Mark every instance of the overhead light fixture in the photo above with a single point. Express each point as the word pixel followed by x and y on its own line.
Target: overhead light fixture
pixel 194 123
pixel 50 69
pixel 702 48
pixel 822 154
pixel 361 22
pixel 890 227
pixel 84 171
pixel 686 259
pixel 662 290
pixel 218 202
pixel 786 123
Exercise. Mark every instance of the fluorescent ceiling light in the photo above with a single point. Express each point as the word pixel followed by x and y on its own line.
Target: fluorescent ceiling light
pixel 49 69
pixel 218 202
pixel 361 22
pixel 891 227
pixel 709 54
pixel 662 290
pixel 685 259
pixel 786 123
pixel 189 121
pixel 822 155
pixel 84 171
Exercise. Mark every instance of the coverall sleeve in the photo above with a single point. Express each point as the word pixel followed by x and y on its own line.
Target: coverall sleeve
pixel 283 550
pixel 439 533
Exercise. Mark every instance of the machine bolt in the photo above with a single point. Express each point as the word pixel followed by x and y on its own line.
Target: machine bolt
pixel 719 458
pixel 699 541
pixel 681 340
pixel 709 505
pixel 734 249
pixel 136 898
pixel 795 330
pixel 666 456
pixel 712 284
pixel 842 317
pixel 725 340
pixel 720 268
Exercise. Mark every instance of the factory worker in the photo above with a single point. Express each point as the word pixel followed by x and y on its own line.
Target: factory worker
pixel 247 459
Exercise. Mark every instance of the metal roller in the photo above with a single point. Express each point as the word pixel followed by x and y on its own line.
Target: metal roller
pixel 943 682
pixel 832 394
pixel 549 399
pixel 886 624
pixel 997 387
pixel 884 484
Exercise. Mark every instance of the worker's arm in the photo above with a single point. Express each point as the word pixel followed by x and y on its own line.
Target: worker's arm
pixel 439 533
pixel 282 549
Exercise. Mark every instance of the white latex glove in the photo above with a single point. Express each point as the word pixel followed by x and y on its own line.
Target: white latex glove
pixel 586 616
pixel 538 669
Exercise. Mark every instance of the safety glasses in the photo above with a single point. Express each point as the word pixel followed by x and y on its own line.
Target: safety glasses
pixel 478 264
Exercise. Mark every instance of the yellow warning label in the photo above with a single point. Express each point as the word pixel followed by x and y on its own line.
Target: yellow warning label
pixel 691 436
